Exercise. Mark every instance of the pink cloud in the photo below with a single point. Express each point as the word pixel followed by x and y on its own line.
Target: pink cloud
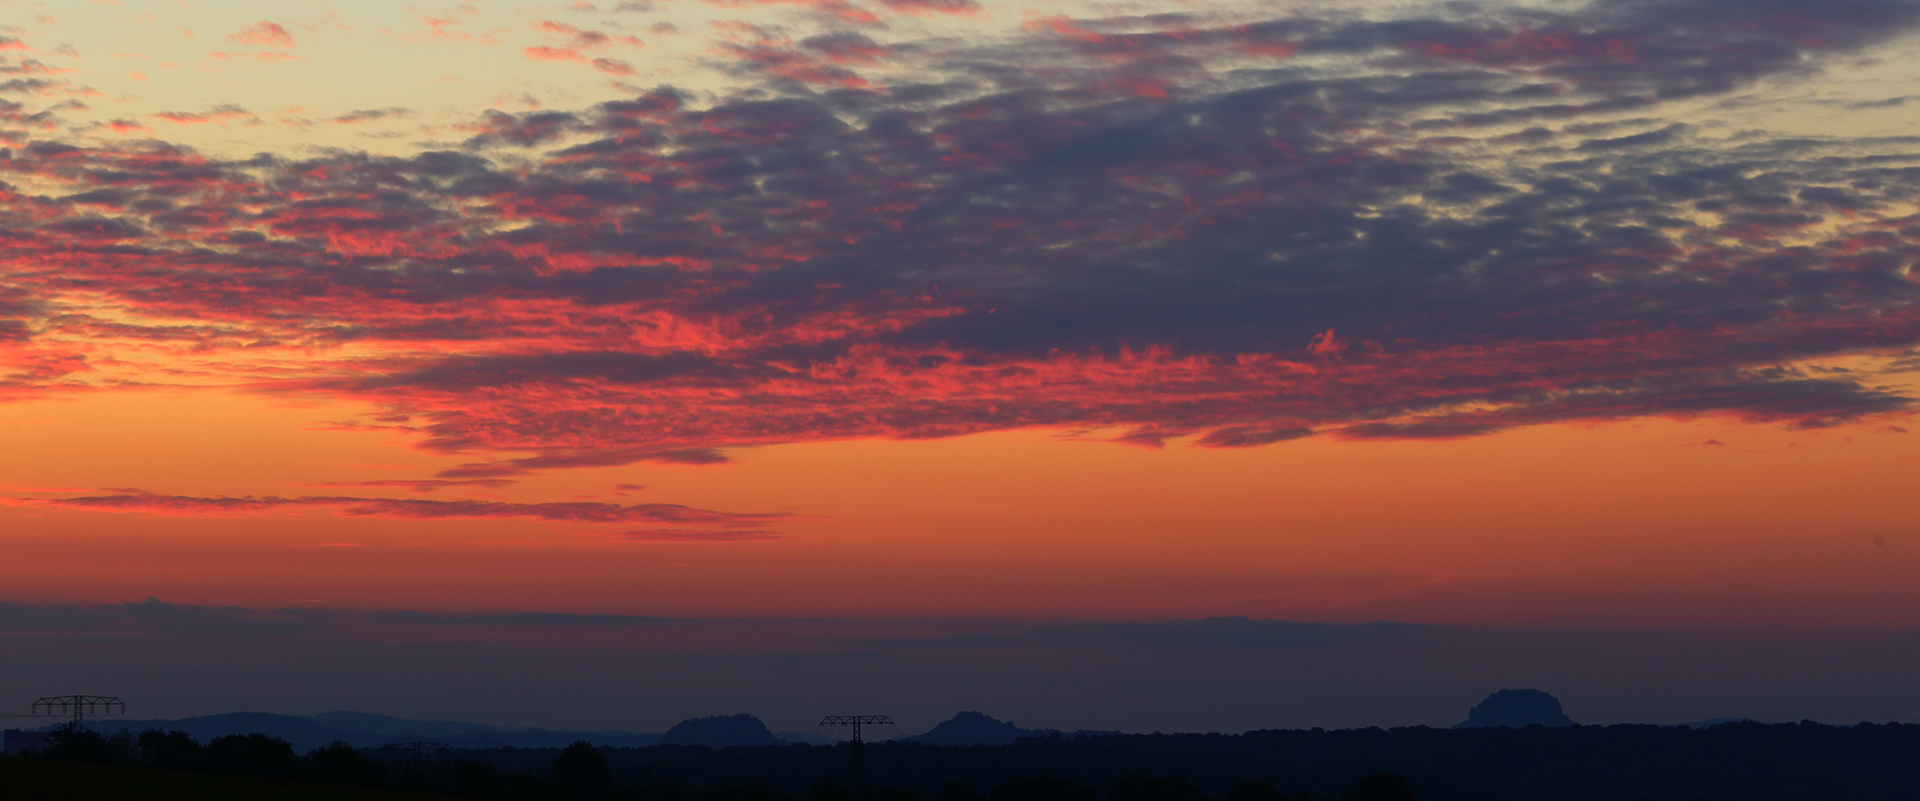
pixel 266 34
pixel 222 113
pixel 544 53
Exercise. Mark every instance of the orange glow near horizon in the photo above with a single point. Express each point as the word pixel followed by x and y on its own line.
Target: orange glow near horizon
pixel 1627 524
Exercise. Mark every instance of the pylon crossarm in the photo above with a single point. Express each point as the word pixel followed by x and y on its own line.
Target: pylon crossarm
pixel 856 721
pixel 79 704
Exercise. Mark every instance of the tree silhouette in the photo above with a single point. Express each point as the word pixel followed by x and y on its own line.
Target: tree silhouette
pixel 829 790
pixel 957 791
pixel 253 754
pixel 581 771
pixel 1140 787
pixel 1380 787
pixel 1042 788
pixel 176 750
pixel 1256 790
pixel 341 763
pixel 74 742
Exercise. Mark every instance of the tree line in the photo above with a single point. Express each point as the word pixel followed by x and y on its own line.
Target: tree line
pixel 581 772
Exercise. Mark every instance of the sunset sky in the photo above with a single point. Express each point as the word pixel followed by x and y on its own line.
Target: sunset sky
pixel 733 355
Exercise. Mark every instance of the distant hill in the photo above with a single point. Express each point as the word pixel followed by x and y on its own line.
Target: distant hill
pixel 721 731
pixel 477 735
pixel 304 733
pixel 975 728
pixel 386 724
pixel 808 737
pixel 1712 722
pixel 1518 709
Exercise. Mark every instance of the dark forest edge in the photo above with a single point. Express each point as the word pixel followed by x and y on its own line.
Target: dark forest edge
pixel 1739 761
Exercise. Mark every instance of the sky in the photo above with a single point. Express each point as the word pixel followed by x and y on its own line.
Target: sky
pixel 1093 365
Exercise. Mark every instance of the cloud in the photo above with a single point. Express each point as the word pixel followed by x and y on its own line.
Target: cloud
pixel 1446 226
pixel 544 53
pixel 613 66
pixel 371 114
pixel 964 8
pixel 837 10
pixel 403 508
pixel 220 114
pixel 1207 633
pixel 423 485
pixel 694 535
pixel 268 34
pixel 583 38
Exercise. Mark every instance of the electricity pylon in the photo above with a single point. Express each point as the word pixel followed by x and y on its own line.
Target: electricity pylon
pixel 857 752
pixel 80 704
pixel 856 721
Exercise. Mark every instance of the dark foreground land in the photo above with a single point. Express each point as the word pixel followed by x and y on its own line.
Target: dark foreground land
pixel 1738 761
pixel 58 780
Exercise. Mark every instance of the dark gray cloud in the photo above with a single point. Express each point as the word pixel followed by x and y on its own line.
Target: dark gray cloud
pixel 1247 233
pixel 409 508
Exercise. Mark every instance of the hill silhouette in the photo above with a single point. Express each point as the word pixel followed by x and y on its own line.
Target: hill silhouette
pixel 721 731
pixel 975 728
pixel 1518 709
